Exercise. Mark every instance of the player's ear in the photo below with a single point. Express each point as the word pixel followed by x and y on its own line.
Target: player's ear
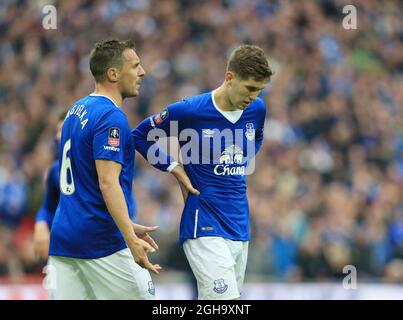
pixel 228 77
pixel 112 74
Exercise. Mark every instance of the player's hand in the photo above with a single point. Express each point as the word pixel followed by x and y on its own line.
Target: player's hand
pixel 184 182
pixel 139 249
pixel 41 240
pixel 142 232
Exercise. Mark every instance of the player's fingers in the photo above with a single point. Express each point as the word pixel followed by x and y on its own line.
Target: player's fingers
pixel 142 261
pixel 44 255
pixel 139 229
pixel 147 247
pixel 151 229
pixel 146 264
pixel 154 268
pixel 185 181
pixel 184 191
pixel 188 186
pixel 41 251
pixel 193 190
pixel 151 242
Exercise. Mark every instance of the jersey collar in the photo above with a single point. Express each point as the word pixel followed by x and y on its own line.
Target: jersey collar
pixel 231 116
pixel 101 95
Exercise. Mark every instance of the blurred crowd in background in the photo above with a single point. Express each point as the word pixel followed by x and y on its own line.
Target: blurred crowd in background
pixel 328 186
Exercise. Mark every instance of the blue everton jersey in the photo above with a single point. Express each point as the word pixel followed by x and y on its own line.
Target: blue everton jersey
pixel 218 150
pixel 94 128
pixel 47 210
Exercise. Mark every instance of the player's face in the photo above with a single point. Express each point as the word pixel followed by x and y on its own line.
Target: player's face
pixel 131 74
pixel 242 92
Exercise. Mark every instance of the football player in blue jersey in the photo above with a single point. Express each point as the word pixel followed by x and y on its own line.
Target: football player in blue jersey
pixel 219 133
pixel 46 212
pixel 96 252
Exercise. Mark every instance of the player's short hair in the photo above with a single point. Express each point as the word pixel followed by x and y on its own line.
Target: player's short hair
pixel 107 54
pixel 249 61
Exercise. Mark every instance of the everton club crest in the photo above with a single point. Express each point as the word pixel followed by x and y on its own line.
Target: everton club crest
pixel 151 288
pixel 250 131
pixel 220 286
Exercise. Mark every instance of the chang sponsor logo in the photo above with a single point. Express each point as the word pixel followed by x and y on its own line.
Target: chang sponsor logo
pixel 205 146
pixel 231 155
pixel 220 170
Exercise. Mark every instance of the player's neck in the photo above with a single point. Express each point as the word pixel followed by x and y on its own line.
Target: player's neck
pixel 221 99
pixel 111 93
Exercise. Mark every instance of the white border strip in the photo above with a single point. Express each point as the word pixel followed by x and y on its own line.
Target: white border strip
pixel 196 218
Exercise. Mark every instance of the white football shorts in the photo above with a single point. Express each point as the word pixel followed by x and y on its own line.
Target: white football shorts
pixel 219 266
pixel 114 277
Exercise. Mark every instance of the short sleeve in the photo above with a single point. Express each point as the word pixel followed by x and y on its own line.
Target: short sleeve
pixel 48 208
pixel 173 116
pixel 111 136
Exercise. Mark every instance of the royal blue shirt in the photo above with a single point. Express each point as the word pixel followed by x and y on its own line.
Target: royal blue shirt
pixel 219 150
pixel 47 210
pixel 94 128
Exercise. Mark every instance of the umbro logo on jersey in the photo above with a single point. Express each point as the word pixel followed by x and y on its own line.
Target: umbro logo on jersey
pixel 228 159
pixel 114 137
pixel 109 148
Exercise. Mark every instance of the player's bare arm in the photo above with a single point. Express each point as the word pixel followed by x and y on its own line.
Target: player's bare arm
pixel 108 176
pixel 184 182
pixel 41 240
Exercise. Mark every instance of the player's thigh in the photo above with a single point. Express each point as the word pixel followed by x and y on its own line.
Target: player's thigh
pixel 64 280
pixel 118 277
pixel 239 251
pixel 214 268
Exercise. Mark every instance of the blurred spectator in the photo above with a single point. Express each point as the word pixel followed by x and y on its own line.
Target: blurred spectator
pixel 328 186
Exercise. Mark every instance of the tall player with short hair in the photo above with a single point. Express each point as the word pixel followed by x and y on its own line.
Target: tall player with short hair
pixel 96 252
pixel 214 226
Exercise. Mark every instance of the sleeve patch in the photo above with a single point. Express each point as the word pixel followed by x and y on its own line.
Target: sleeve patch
pixel 159 118
pixel 114 137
